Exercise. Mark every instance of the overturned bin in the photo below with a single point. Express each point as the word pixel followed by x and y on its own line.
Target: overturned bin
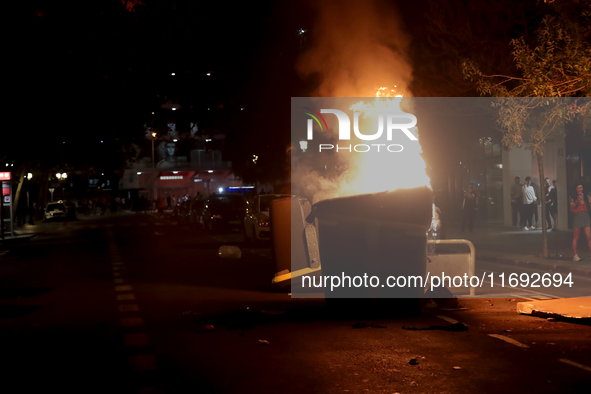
pixel 375 237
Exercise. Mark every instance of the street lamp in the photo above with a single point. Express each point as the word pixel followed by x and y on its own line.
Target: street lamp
pixel 29 176
pixel 153 138
pixel 62 177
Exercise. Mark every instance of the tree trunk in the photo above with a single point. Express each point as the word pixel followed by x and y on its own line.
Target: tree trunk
pixel 543 198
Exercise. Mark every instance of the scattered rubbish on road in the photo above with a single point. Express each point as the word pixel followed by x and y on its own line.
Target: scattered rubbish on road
pixel 413 361
pixel 263 342
pixel 508 331
pixel 455 309
pixel 157 233
pixel 209 327
pixel 457 368
pixel 363 325
pixel 456 327
pixel 551 319
pixel 229 252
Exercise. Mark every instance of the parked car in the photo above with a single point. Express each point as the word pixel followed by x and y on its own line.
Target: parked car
pixel 55 211
pixel 257 225
pixel 224 211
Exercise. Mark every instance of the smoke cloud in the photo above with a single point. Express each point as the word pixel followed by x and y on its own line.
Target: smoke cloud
pixel 358 47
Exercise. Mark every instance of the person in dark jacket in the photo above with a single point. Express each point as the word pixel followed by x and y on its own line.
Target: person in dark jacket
pixel 469 207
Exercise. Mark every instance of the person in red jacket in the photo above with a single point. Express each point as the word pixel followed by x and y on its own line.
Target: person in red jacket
pixel 160 204
pixel 579 206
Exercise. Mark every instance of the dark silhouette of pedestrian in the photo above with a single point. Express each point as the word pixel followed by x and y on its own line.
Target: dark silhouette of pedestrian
pixel 469 207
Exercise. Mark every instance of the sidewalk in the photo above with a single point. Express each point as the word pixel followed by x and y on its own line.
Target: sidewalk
pixel 515 246
pixel 41 228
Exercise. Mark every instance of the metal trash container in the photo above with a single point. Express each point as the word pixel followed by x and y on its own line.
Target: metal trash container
pixel 380 234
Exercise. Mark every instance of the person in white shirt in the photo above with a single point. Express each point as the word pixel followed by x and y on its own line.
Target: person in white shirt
pixel 529 203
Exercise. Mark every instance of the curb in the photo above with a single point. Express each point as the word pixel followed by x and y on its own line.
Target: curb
pixel 535 265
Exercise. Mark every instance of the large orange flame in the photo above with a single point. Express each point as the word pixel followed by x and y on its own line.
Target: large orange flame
pixel 373 172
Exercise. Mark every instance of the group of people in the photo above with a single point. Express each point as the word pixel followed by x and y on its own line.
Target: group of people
pixel 525 199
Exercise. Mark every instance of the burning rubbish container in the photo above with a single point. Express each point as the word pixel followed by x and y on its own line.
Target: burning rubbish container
pixel 374 235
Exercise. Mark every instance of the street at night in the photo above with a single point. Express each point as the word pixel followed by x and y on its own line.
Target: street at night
pixel 122 303
pixel 310 196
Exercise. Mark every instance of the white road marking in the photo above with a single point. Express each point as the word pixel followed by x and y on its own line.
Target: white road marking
pixel 575 364
pixel 525 298
pixel 141 362
pixel 447 319
pixel 509 340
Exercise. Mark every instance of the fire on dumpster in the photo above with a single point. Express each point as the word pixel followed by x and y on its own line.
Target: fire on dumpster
pixel 371 217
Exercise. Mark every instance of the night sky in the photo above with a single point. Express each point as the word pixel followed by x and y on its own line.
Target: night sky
pixel 93 71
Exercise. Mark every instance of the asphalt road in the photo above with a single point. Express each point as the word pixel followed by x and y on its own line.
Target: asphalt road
pixel 135 303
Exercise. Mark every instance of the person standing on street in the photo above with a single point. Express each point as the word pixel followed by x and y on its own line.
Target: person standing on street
pixel 529 203
pixel 579 206
pixel 536 219
pixel 554 206
pixel 517 202
pixel 469 207
pixel 549 189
